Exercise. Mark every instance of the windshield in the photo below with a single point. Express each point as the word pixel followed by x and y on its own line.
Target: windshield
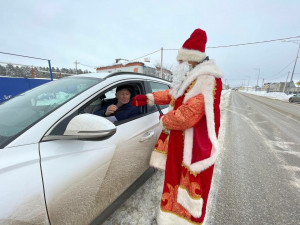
pixel 19 113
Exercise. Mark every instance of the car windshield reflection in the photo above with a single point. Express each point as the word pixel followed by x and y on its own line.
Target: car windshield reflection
pixel 26 109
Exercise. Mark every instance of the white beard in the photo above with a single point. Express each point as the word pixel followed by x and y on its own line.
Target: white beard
pixel 179 76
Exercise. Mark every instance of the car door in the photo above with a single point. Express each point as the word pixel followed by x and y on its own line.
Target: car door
pixel 21 187
pixel 83 177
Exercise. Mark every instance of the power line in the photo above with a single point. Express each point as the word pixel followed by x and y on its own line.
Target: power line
pixel 145 55
pixel 253 43
pixel 6 53
pixel 94 67
pixel 222 46
pixel 280 71
pixel 249 43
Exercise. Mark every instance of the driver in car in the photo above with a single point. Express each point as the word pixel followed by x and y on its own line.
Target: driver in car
pixel 119 107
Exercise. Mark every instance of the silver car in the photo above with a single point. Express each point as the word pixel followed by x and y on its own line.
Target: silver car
pixel 60 163
pixel 295 98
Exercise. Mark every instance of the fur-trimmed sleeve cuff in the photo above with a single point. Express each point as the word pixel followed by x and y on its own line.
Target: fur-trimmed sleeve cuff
pixel 150 98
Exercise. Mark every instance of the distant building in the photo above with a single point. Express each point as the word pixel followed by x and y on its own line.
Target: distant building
pixel 280 86
pixel 136 67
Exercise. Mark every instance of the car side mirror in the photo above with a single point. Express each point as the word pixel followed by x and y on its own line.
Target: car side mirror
pixel 86 127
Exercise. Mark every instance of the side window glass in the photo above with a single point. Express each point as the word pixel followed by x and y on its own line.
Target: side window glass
pixel 110 94
pixel 157 87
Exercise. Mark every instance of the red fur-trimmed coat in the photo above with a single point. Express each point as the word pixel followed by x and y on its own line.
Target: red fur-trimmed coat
pixel 188 147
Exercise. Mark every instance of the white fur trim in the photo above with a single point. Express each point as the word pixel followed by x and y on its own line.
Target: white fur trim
pixel 194 207
pixel 158 160
pixel 188 146
pixel 150 98
pixel 208 68
pixel 204 85
pixel 187 154
pixel 161 122
pixel 190 55
pixel 167 218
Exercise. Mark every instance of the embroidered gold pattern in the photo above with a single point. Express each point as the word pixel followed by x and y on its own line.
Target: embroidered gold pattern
pixel 163 152
pixel 172 103
pixel 162 146
pixel 162 97
pixel 186 116
pixel 215 89
pixel 166 131
pixel 171 203
pixel 190 187
pixel 189 169
pixel 191 86
pixel 173 207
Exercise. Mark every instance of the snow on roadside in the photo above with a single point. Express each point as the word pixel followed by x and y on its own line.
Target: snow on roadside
pixel 142 206
pixel 209 217
pixel 274 95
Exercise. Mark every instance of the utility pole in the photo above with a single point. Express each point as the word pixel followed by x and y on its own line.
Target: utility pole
pixel 286 81
pixel 76 62
pixel 257 78
pixel 289 87
pixel 262 84
pixel 161 62
pixel 294 68
pixel 248 83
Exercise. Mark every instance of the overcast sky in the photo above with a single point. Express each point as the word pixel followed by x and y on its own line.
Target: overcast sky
pixel 96 32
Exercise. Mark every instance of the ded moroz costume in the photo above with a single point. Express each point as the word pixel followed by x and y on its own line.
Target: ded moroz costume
pixel 188 147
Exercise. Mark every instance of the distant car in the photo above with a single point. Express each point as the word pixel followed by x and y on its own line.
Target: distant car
pixel 295 98
pixel 60 163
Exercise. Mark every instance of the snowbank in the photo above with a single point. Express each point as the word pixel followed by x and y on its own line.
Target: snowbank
pixel 275 95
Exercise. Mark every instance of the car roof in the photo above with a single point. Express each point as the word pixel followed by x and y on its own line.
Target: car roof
pixel 128 74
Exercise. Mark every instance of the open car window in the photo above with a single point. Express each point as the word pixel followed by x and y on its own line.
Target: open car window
pixel 99 102
pixel 108 97
pixel 155 86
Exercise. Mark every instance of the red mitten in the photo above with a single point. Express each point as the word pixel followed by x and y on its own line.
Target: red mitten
pixel 139 100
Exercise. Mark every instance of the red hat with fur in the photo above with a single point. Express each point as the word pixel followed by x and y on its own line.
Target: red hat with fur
pixel 193 48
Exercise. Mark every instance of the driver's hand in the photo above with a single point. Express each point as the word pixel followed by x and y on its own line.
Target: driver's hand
pixel 110 110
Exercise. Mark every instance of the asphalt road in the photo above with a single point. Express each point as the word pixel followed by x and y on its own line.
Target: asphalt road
pixel 257 177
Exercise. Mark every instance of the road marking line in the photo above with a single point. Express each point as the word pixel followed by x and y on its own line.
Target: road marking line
pixel 262 122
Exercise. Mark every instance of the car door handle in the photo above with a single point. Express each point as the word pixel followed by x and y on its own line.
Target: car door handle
pixel 147 136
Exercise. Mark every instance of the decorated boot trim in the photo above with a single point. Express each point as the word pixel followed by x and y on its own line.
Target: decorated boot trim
pixel 194 206
pixel 167 217
pixel 192 188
